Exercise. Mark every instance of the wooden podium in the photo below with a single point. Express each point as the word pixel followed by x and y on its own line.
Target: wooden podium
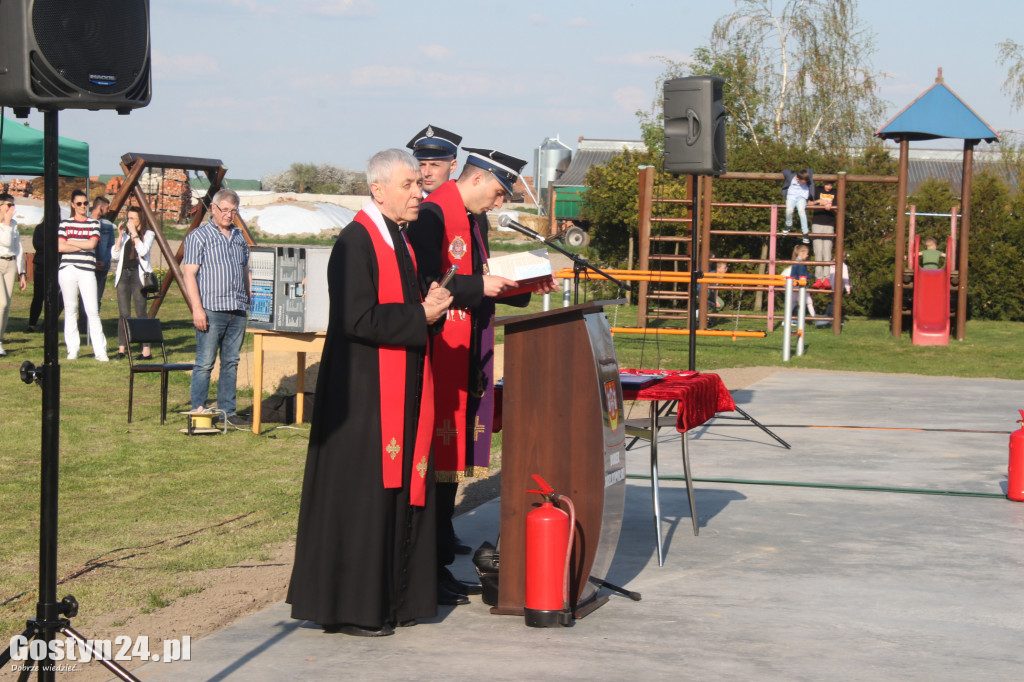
pixel 562 418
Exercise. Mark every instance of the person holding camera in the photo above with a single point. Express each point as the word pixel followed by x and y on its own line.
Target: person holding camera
pixel 131 249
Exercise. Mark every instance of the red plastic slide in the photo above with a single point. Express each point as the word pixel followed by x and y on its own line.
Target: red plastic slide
pixel 931 301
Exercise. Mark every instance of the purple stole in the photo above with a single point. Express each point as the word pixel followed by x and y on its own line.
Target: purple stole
pixel 461 410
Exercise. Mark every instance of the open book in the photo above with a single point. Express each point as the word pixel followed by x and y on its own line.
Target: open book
pixel 530 267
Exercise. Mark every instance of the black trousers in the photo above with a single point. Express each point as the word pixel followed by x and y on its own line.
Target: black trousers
pixel 445 501
pixel 38 292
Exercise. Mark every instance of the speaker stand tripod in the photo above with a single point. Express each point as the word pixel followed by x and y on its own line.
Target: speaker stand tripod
pixel 52 617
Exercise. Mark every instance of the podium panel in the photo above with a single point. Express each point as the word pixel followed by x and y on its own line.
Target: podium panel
pixel 562 418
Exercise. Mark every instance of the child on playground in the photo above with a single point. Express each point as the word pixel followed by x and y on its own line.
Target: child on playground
pixel 799 269
pixel 798 188
pixel 931 256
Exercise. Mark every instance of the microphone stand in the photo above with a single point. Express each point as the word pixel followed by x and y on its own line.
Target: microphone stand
pixel 579 263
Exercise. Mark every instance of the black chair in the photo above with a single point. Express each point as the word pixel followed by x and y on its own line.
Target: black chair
pixel 140 331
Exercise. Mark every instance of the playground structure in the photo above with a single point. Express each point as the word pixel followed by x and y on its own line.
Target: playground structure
pixel 133 165
pixel 937 113
pixel 930 306
pixel 652 294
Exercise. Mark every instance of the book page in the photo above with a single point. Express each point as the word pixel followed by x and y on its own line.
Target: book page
pixel 530 265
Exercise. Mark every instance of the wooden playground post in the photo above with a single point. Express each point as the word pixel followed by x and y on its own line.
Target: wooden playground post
pixel 839 255
pixel 965 238
pixel 646 184
pixel 901 239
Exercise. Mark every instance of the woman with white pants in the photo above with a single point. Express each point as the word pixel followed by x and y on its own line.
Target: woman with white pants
pixel 77 238
pixel 12 262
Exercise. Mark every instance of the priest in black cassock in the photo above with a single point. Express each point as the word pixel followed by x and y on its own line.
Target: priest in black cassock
pixel 365 551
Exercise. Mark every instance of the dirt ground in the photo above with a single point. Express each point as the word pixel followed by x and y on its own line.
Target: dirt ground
pixel 232 593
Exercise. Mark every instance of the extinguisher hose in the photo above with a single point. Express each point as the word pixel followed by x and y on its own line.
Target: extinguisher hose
pixel 568 549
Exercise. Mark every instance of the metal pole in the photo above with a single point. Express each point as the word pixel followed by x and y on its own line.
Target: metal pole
pixel 694 274
pixel 47 609
pixel 787 319
pixel 801 316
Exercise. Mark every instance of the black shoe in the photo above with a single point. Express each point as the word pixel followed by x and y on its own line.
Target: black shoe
pixel 357 631
pixel 120 355
pixel 459 586
pixel 407 623
pixel 446 597
pixel 140 356
pixel 239 422
pixel 30 329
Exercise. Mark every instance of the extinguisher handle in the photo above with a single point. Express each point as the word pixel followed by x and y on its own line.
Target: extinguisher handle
pixel 546 489
pixel 1019 421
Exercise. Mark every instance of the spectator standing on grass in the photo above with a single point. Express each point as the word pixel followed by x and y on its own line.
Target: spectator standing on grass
pixel 218 284
pixel 77 238
pixel 39 281
pixel 131 249
pixel 12 262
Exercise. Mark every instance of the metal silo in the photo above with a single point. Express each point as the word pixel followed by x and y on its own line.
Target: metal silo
pixel 549 161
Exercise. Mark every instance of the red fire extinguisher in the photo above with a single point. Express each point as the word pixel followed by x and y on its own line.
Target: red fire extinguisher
pixel 1015 472
pixel 549 538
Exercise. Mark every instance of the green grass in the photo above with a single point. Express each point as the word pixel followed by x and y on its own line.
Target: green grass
pixel 144 508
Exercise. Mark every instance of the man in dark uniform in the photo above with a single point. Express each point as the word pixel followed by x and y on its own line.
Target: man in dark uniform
pixel 365 551
pixel 452 230
pixel 435 148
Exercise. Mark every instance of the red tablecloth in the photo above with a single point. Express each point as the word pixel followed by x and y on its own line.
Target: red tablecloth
pixel 700 396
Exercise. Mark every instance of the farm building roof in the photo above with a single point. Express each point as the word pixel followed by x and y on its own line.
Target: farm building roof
pixel 593 153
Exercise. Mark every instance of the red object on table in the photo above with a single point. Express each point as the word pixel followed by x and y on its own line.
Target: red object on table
pixel 700 396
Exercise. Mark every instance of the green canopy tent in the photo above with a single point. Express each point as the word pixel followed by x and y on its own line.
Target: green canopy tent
pixel 21 152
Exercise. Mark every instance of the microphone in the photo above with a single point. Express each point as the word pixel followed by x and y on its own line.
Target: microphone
pixel 505 220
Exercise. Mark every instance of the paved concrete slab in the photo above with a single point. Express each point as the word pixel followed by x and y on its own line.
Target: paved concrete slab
pixel 783 583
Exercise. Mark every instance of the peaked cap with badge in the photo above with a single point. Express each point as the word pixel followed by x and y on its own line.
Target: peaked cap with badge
pixel 434 143
pixel 506 169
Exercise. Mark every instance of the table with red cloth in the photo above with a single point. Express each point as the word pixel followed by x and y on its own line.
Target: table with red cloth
pixel 698 397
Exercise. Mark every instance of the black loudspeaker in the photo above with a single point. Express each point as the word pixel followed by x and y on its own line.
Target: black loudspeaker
pixel 74 54
pixel 694 126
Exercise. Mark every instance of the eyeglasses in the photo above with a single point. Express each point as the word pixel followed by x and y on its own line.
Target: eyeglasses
pixel 81 203
pixel 7 203
pixel 225 210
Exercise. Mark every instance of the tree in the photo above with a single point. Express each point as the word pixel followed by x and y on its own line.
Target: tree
pixel 801 77
pixel 323 179
pixel 610 203
pixel 1011 55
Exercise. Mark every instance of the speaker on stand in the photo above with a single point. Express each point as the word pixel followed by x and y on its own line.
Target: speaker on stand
pixel 694 145
pixel 68 54
pixel 64 54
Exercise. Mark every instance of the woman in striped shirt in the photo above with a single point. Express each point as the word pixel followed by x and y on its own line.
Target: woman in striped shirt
pixel 77 239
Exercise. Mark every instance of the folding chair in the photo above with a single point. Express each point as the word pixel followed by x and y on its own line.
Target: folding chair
pixel 148 331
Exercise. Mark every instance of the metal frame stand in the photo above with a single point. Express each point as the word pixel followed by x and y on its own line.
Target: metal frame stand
pixel 52 617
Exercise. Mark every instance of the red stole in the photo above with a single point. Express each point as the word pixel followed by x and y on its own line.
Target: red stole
pixel 451 348
pixel 392 365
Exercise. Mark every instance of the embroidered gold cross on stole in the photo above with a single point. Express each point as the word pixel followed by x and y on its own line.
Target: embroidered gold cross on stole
pixel 393 448
pixel 422 466
pixel 478 429
pixel 446 431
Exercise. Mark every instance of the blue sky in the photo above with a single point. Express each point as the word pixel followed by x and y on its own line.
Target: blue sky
pixel 260 84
